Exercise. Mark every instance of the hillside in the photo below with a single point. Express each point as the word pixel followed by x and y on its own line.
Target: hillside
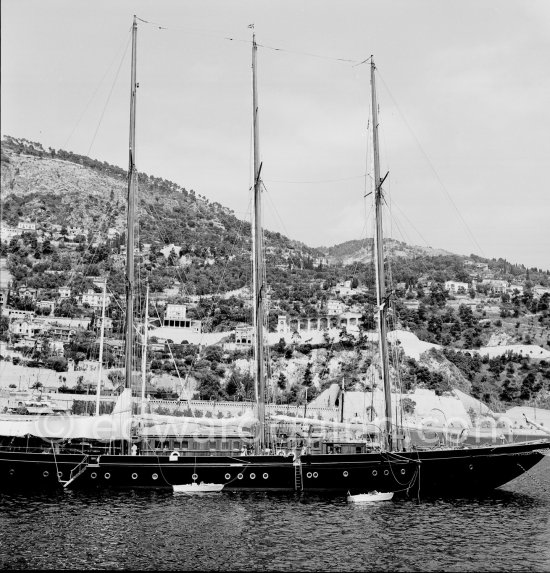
pixel 361 251
pixel 58 187
pixel 70 211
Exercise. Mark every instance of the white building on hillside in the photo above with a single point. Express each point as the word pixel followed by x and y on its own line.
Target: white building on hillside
pixel 176 316
pixel 335 307
pixel 26 226
pixel 64 292
pixel 512 288
pixel 95 299
pixel 7 233
pixel 456 287
pixel 343 289
pixel 496 285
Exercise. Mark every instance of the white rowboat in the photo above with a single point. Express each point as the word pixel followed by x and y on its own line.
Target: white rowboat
pixel 198 487
pixel 371 496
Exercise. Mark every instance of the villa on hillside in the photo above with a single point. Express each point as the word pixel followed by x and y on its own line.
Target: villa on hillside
pixel 13 313
pixel 64 292
pixel 244 338
pixel 512 288
pixel 25 328
pixel 26 292
pixel 26 226
pixel 348 320
pixel 344 289
pixel 7 233
pixel 335 307
pixel 456 287
pixel 496 285
pixel 48 305
pixel 95 299
pixel 175 316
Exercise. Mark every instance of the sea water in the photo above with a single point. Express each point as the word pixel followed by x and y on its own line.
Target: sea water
pixel 507 530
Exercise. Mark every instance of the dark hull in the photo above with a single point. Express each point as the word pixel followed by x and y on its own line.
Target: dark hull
pixel 435 472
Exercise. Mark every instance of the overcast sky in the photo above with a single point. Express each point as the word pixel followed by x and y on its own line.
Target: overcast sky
pixel 463 90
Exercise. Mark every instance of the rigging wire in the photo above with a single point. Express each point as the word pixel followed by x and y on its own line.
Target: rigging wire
pixel 432 167
pixel 318 181
pixel 92 97
pixel 265 47
pixel 107 101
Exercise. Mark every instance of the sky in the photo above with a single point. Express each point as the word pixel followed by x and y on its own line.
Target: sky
pixel 463 92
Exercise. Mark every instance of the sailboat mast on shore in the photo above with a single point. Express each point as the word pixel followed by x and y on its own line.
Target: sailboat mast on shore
pixel 258 267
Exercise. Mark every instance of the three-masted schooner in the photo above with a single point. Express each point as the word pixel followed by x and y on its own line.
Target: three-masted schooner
pixel 389 468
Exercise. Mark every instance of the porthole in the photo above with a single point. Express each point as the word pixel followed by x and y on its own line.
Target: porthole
pixel 386 472
pixel 345 474
pixel 93 475
pixel 155 476
pixel 240 476
pixel 134 476
pixel 252 476
pixel 471 467
pixel 59 474
pixel 309 474
pixel 265 476
pixel 12 472
pixel 194 476
pixel 46 474
pixel 403 471
pixel 227 476
pixel 107 475
pixel 315 475
pixel 374 473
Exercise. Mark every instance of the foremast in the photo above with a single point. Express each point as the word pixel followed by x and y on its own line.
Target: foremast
pixel 258 266
pixel 381 297
pixel 130 222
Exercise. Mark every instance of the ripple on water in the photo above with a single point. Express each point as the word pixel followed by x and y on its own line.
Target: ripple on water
pixel 508 530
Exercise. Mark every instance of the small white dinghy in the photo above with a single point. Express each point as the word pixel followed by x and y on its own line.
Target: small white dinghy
pixel 371 496
pixel 198 487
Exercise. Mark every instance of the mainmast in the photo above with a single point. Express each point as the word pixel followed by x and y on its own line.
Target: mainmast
pixel 258 268
pixel 381 299
pixel 131 218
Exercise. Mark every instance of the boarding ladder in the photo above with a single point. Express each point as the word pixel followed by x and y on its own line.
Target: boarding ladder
pixel 77 471
pixel 298 482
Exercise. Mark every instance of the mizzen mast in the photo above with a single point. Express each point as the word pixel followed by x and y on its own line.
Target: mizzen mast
pixel 258 266
pixel 381 298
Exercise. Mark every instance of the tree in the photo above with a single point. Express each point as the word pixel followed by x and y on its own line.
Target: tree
pixel 308 376
pixel 529 386
pixel 209 387
pixel 57 363
pixel 234 385
pixel 510 390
